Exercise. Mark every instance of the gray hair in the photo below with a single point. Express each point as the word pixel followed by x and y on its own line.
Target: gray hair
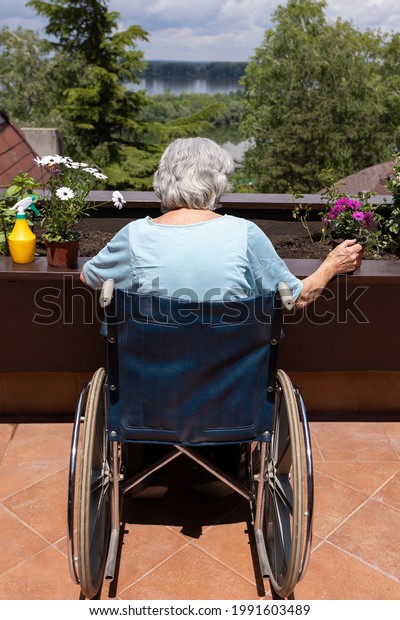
pixel 192 174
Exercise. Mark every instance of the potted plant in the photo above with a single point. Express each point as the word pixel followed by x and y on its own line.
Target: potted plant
pixel 349 217
pixel 66 185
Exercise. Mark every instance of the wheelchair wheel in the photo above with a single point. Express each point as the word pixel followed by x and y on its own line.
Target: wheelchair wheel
pixel 94 491
pixel 287 487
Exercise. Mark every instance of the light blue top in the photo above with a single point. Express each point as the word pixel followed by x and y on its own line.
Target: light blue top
pixel 223 258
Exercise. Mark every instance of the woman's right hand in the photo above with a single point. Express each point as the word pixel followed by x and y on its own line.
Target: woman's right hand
pixel 343 258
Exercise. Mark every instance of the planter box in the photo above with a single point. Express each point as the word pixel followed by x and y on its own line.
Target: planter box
pixel 342 351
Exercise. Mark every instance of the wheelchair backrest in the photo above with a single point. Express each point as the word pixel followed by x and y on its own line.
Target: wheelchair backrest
pixel 191 373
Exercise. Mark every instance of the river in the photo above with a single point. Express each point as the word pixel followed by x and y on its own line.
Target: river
pixel 228 137
pixel 177 86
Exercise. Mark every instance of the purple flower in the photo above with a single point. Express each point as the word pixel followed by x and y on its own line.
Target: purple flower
pixel 368 219
pixel 335 211
pixel 347 203
pixel 358 215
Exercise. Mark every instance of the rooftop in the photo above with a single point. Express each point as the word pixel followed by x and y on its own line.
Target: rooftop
pixel 16 154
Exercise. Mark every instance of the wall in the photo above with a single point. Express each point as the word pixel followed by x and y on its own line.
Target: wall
pixel 342 352
pixel 44 141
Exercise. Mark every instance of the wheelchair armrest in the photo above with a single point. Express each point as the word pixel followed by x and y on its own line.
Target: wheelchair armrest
pixel 286 295
pixel 106 294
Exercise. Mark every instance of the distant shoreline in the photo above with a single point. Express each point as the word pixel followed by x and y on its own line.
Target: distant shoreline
pixel 161 69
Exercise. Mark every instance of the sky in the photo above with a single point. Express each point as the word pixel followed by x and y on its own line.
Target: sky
pixel 210 30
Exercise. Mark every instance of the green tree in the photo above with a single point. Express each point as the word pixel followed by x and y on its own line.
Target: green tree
pixel 314 99
pixel 99 108
pixel 390 69
pixel 98 111
pixel 27 88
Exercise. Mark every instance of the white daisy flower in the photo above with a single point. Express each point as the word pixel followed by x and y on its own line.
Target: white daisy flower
pixel 65 193
pixel 73 165
pixel 118 200
pixel 48 160
pixel 99 175
pixel 91 170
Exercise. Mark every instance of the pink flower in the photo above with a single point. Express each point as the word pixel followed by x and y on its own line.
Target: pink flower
pixel 347 203
pixel 358 215
pixel 334 212
pixel 368 219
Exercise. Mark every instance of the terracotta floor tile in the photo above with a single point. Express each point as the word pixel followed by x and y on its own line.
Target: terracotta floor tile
pixel 144 548
pixel 36 451
pixel 390 493
pixel 17 542
pixel 186 511
pixel 372 534
pixel 333 503
pixel 392 431
pixel 190 545
pixel 335 575
pixel 355 441
pixel 316 452
pixel 43 577
pixel 241 556
pixel 6 431
pixel 32 506
pixel 191 575
pixel 61 545
pixel 366 476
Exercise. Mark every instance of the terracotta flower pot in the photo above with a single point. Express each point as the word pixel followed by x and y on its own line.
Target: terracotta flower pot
pixel 361 240
pixel 62 254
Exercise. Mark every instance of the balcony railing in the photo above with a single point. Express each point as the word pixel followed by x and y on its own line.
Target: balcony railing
pixel 270 206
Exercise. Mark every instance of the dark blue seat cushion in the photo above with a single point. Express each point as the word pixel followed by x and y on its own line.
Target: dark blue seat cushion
pixel 189 373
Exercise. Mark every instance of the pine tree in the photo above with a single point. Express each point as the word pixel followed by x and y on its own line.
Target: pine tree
pixel 98 110
pixel 96 64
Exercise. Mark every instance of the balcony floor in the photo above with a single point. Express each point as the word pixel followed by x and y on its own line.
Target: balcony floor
pixel 189 546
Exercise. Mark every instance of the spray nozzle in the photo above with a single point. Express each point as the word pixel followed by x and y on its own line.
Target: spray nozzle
pixel 26 203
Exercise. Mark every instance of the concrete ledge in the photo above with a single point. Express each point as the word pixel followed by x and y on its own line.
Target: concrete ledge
pixel 56 393
pixel 358 391
pixel 342 351
pixel 40 393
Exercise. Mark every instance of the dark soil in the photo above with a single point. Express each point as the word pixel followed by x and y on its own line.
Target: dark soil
pixel 92 242
pixel 287 246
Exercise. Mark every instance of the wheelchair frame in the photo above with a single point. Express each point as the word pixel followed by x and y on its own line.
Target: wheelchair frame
pixel 278 484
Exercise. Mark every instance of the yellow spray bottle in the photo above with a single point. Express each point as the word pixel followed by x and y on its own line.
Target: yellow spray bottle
pixel 22 241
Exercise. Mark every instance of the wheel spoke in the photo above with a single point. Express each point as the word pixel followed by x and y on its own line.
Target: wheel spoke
pixel 283 462
pixel 284 490
pixel 97 512
pixel 279 535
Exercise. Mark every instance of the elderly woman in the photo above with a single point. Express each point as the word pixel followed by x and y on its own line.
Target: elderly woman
pixel 190 251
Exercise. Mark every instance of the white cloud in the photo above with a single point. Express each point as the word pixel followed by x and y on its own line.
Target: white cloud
pixel 373 14
pixel 187 44
pixel 211 29
pixel 232 29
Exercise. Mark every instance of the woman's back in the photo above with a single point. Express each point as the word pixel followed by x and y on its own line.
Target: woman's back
pixel 219 258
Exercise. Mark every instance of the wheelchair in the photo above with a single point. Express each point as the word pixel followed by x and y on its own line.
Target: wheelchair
pixel 188 375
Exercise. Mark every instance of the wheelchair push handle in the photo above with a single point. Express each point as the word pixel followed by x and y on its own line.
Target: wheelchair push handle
pixel 106 294
pixel 286 295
